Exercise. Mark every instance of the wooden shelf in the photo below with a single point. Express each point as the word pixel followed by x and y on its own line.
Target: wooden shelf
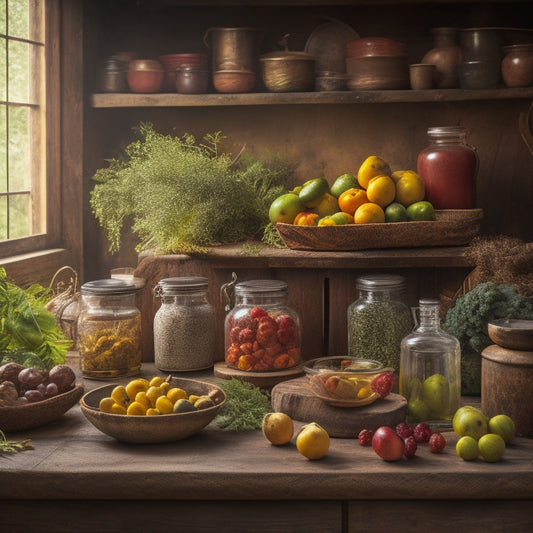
pixel 110 100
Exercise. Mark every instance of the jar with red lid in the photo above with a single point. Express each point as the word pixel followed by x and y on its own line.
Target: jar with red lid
pixel 261 331
pixel 448 167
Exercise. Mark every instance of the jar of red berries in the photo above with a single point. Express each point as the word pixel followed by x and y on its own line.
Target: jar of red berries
pixel 262 333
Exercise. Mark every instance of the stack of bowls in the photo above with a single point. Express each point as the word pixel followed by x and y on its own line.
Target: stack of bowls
pixel 376 63
pixel 482 56
pixel 173 62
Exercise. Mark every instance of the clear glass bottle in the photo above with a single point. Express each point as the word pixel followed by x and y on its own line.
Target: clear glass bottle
pixel 184 325
pixel 448 166
pixel 379 319
pixel 430 370
pixel 109 329
pixel 261 331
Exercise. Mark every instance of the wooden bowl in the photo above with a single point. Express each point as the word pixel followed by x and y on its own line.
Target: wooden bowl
pixel 512 334
pixel 32 415
pixel 233 81
pixel 153 429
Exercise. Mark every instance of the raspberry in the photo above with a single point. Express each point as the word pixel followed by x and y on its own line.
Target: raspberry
pixel 365 437
pixel 404 430
pixel 410 447
pixel 383 384
pixel 258 312
pixel 422 432
pixel 437 442
pixel 246 335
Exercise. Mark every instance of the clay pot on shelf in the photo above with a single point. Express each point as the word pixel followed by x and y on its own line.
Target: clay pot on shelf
pixel 517 65
pixel 446 56
pixel 145 76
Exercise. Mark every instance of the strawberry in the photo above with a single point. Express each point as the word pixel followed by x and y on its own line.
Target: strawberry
pixel 404 430
pixel 422 432
pixel 365 437
pixel 383 384
pixel 437 442
pixel 410 447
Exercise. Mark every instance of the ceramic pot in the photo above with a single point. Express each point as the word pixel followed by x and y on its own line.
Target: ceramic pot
pixel 445 55
pixel 481 44
pixel 517 65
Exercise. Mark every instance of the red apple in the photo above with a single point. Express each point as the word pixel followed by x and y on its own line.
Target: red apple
pixel 387 444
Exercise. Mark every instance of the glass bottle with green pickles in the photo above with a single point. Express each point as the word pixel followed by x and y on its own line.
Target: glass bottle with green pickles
pixel 430 370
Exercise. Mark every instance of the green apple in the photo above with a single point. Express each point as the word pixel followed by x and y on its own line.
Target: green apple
pixel 470 421
pixel 343 183
pixel 502 425
pixel 285 208
pixel 436 393
pixel 313 191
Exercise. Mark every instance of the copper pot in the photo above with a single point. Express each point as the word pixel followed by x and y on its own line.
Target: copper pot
pixel 233 48
pixel 288 71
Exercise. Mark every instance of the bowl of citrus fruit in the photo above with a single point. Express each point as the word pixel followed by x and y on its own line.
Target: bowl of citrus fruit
pixel 153 410
pixel 343 381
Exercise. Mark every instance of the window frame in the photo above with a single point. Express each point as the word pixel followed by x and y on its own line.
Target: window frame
pixel 36 258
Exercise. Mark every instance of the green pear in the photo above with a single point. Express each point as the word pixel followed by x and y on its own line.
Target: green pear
pixel 436 393
pixel 470 421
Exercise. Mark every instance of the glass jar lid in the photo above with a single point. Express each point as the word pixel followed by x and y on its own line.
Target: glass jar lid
pixel 261 286
pixel 380 281
pixel 109 286
pixel 180 285
pixel 445 132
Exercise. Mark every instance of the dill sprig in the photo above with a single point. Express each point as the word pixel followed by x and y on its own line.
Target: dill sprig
pixel 183 196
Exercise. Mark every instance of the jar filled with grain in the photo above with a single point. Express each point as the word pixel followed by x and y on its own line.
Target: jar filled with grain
pixel 430 370
pixel 109 329
pixel 261 331
pixel 379 319
pixel 184 325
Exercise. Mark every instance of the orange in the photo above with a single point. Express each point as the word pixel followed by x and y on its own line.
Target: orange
pixel 372 166
pixel 381 190
pixel 369 213
pixel 351 199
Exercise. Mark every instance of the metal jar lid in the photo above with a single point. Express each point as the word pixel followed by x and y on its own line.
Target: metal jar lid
pixel 180 285
pixel 380 281
pixel 261 286
pixel 109 286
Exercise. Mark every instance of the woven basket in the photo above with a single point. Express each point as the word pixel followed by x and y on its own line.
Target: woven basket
pixel 452 227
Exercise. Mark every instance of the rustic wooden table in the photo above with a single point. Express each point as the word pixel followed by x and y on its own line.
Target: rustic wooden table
pixel 78 479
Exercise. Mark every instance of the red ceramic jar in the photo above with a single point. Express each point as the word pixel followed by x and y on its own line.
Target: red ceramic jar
pixel 517 65
pixel 448 167
pixel 145 76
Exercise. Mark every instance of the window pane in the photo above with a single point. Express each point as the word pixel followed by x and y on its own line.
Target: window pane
pixel 18 18
pixel 18 157
pixel 17 71
pixel 19 216
pixel 3 79
pixel 3 217
pixel 3 16
pixel 3 150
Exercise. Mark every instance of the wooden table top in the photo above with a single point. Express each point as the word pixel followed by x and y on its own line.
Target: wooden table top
pixel 72 459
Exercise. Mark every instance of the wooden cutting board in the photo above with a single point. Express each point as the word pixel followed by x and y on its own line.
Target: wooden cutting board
pixel 294 398
pixel 260 379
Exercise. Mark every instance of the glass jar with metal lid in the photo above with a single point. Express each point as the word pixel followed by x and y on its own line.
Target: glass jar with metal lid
pixel 109 329
pixel 184 325
pixel 379 319
pixel 261 331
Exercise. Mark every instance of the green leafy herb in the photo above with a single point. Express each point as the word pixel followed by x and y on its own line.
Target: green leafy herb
pixel 182 196
pixel 13 446
pixel 29 333
pixel 245 407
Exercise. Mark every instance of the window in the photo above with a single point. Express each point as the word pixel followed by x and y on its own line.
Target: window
pixel 22 107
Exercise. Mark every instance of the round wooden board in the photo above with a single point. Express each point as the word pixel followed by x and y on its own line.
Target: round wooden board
pixel 260 379
pixel 294 398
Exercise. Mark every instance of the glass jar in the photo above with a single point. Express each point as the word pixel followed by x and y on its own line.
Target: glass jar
pixel 379 319
pixel 184 325
pixel 448 167
pixel 261 331
pixel 430 370
pixel 109 329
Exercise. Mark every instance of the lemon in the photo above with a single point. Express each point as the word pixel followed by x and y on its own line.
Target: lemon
pixel 381 190
pixel 313 441
pixel 410 188
pixel 371 167
pixel 467 448
pixel 278 428
pixel 491 447
pixel 328 205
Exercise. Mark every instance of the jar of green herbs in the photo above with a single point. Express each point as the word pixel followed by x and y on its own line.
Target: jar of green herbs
pixel 379 319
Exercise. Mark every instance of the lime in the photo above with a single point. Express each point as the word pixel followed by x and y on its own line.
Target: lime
pixel 343 183
pixel 395 212
pixel 491 447
pixel 313 191
pixel 467 448
pixel 422 210
pixel 502 425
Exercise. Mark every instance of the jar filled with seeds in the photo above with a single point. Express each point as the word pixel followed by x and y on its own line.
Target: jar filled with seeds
pixel 261 331
pixel 184 325
pixel 379 319
pixel 109 329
